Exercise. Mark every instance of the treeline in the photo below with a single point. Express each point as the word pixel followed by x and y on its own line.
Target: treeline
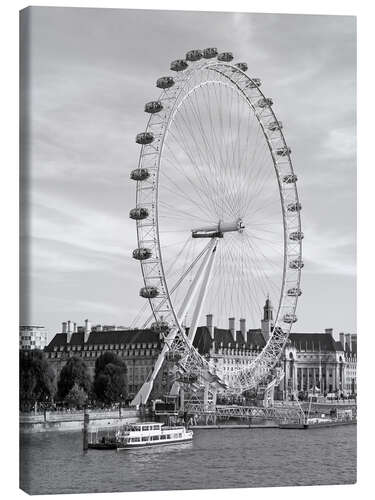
pixel 74 387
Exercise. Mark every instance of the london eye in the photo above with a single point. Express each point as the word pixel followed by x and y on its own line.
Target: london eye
pixel 217 214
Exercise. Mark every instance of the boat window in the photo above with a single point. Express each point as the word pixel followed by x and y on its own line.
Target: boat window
pixel 145 427
pixel 168 436
pixel 163 436
pixel 136 440
pixel 144 438
pixel 156 427
pixel 155 438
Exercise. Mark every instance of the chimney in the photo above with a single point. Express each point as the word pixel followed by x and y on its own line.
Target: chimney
pixel 342 340
pixel 232 329
pixel 329 331
pixel 74 327
pixel 87 330
pixel 348 339
pixel 243 329
pixel 64 327
pixel 209 324
pixel 68 332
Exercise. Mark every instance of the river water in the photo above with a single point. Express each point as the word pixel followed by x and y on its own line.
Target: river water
pixel 53 462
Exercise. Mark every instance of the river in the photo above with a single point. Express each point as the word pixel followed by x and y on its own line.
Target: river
pixel 53 462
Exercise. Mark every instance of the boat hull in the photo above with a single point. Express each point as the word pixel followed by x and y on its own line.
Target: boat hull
pixel 153 443
pixel 102 446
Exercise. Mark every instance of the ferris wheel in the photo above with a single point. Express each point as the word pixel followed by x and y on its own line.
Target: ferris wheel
pixel 217 214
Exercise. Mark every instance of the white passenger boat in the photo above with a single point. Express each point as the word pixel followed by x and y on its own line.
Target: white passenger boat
pixel 150 434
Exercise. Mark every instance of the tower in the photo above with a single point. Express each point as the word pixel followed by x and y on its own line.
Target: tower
pixel 267 321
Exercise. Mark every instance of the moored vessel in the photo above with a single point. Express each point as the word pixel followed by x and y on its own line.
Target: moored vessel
pixel 151 434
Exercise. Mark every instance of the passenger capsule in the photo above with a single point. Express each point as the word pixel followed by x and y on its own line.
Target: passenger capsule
pixel 173 356
pixel 139 213
pixel 144 138
pixel 179 65
pixel 273 126
pixel 290 179
pixel 289 318
pixel 296 264
pixel 294 207
pixel 294 292
pixel 225 56
pixel 242 66
pixel 190 378
pixel 165 82
pixel 194 55
pixel 160 326
pixel 296 236
pixel 210 52
pixel 139 174
pixel 264 102
pixel 149 292
pixel 284 151
pixel 254 83
pixel 142 253
pixel 153 107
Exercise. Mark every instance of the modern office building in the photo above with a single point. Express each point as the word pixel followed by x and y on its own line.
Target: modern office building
pixel 32 337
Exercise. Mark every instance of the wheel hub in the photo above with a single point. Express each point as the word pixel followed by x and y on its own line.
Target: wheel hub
pixel 217 230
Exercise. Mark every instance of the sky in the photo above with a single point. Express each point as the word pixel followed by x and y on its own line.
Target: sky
pixel 85 77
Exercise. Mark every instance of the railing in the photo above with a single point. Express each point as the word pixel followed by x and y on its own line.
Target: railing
pixel 66 416
pixel 328 402
pixel 284 413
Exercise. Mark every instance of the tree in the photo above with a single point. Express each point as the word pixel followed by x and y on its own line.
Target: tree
pixel 37 379
pixel 74 372
pixel 110 382
pixel 77 397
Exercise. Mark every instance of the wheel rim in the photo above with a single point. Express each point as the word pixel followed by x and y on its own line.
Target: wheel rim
pixel 172 141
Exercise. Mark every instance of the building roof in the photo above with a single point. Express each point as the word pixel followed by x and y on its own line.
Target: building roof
pixel 338 346
pixel 106 337
pixel 202 341
pixel 224 339
pixel 313 341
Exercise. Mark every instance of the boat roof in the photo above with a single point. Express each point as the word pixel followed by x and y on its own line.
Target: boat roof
pixel 146 423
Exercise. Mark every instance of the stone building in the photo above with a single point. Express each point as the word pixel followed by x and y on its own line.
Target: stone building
pixel 138 349
pixel 311 361
pixel 316 362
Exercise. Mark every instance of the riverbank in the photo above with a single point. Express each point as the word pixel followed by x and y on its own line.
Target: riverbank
pixel 71 421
